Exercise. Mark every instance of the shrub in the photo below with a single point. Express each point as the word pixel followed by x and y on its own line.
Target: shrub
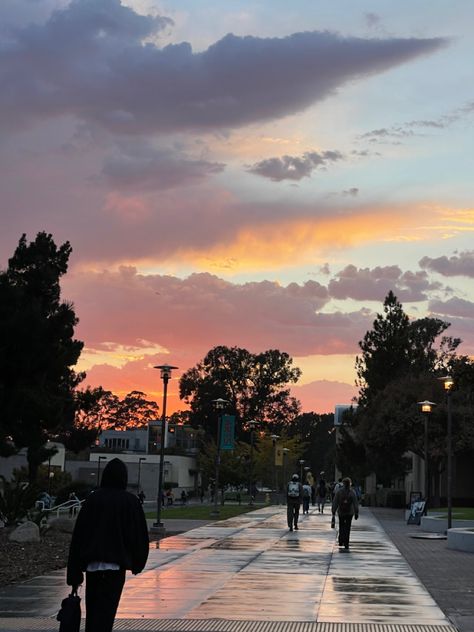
pixel 16 499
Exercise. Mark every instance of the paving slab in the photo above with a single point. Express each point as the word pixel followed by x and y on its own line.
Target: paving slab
pixel 243 574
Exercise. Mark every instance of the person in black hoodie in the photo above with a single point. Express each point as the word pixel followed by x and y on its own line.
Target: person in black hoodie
pixel 110 537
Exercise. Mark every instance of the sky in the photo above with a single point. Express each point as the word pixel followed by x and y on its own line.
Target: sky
pixel 254 174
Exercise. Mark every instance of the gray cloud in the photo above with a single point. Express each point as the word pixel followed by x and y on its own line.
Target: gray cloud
pixel 454 307
pixel 461 264
pixel 293 167
pixel 364 284
pixel 142 167
pixel 89 60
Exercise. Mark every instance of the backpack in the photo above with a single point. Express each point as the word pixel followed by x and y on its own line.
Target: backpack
pixel 345 502
pixel 306 491
pixel 293 489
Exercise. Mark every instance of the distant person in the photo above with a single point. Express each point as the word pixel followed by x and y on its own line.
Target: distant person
pixel 346 505
pixel 306 497
pixel 201 494
pixel 337 487
pixel 141 496
pixel 110 537
pixel 294 496
pixel 321 493
pixel 183 497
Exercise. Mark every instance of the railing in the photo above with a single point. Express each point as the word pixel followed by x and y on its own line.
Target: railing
pixel 72 507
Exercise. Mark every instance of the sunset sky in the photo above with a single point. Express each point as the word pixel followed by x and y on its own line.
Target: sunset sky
pixel 256 173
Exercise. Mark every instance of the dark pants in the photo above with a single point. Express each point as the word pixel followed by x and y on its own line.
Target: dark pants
pixel 306 500
pixel 344 529
pixel 292 513
pixel 103 591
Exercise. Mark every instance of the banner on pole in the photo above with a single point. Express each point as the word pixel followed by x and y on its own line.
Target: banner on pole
pixel 227 432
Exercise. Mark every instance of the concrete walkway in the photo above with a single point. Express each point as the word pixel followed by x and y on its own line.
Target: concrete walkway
pixel 252 569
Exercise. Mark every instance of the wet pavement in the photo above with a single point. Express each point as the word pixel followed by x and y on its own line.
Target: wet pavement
pixel 251 568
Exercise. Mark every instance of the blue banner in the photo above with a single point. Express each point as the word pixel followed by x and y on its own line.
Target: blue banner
pixel 227 432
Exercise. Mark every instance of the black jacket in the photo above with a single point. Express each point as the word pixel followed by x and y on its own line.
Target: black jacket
pixel 110 527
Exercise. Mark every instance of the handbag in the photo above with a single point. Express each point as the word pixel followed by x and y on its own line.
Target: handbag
pixel 69 615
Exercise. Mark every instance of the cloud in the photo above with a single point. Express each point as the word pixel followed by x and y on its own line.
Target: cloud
pixel 454 307
pixel 293 167
pixel 461 264
pixel 364 284
pixel 99 62
pixel 352 192
pixel 141 167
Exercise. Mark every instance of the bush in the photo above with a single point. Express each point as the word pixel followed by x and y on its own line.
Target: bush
pixel 16 500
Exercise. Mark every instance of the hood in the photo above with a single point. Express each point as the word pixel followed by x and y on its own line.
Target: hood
pixel 115 475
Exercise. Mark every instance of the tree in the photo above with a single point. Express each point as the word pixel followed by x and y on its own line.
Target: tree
pixel 37 349
pixel 316 433
pixel 396 346
pixel 398 367
pixel 254 384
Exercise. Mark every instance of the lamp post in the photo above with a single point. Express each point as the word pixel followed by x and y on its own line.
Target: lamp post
pixel 301 462
pixel 274 439
pixel 100 458
pixel 219 405
pixel 165 375
pixel 251 424
pixel 426 408
pixel 142 458
pixel 448 384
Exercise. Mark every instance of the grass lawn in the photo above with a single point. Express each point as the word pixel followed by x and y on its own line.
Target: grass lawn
pixel 201 512
pixel 459 513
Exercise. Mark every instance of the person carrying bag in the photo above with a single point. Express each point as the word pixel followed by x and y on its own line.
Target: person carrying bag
pixel 346 505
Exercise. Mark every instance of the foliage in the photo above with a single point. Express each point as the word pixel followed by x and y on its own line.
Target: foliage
pixel 316 433
pixel 255 385
pixel 98 410
pixel 59 480
pixel 16 499
pixel 399 367
pixel 395 347
pixel 37 349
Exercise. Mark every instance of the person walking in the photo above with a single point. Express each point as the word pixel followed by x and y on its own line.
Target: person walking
pixel 321 493
pixel 294 496
pixel 306 497
pixel 346 505
pixel 110 536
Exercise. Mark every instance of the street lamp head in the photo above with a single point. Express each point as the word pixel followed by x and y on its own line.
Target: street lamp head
pixel 251 424
pixel 274 437
pixel 219 404
pixel 426 406
pixel 285 450
pixel 301 461
pixel 447 382
pixel 165 370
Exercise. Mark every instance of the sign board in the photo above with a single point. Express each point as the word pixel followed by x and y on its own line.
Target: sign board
pixel 417 510
pixel 227 432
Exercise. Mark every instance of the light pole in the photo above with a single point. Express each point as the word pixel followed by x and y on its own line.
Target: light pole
pixel 448 384
pixel 302 462
pixel 100 458
pixel 219 405
pixel 165 375
pixel 142 458
pixel 274 439
pixel 426 408
pixel 251 424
